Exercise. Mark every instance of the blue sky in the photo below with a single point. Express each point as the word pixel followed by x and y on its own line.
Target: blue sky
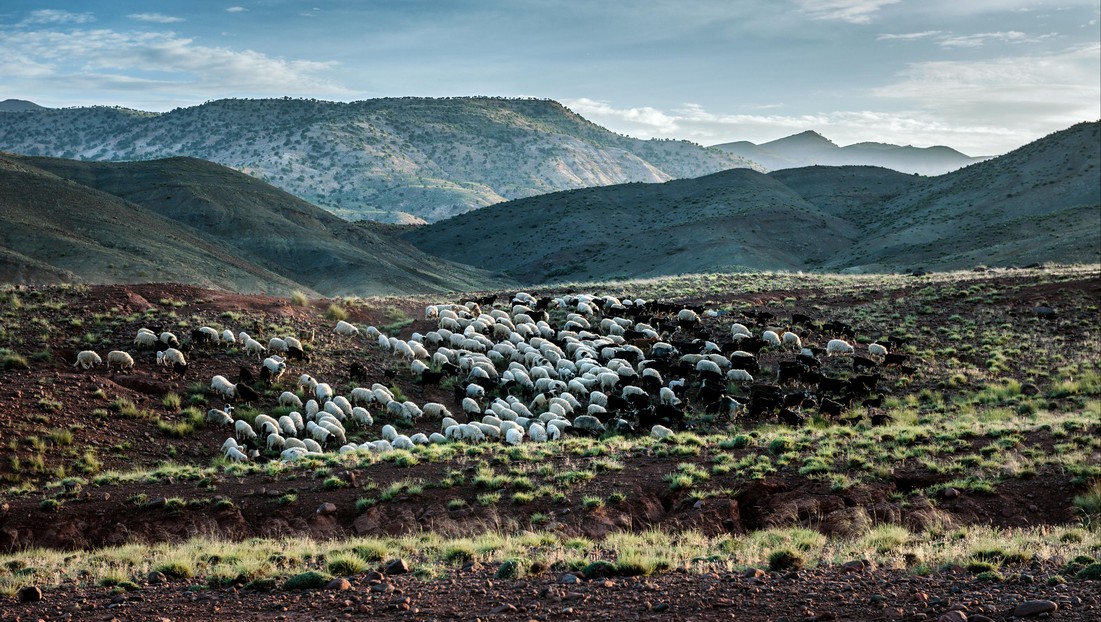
pixel 982 76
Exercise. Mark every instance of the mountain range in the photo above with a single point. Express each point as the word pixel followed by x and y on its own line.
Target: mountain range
pixel 191 221
pixel 398 159
pixel 811 148
pixel 1041 202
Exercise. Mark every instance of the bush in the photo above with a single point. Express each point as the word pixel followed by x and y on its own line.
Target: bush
pixel 1091 572
pixel 977 566
pixel 311 580
pixel 512 569
pixel 785 559
pixel 176 569
pixel 299 299
pixel 990 575
pixel 346 565
pixel 599 569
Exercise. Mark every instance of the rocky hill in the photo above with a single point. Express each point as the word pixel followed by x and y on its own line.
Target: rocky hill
pixel 189 221
pixel 810 148
pixel 1040 203
pixel 401 160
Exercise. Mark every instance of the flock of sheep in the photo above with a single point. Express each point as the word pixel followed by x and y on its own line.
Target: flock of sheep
pixel 540 369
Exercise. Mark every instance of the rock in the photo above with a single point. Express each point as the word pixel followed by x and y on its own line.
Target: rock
pixel 753 573
pixel 661 606
pixel 1029 389
pixel 339 584
pixel 950 493
pixel 30 594
pixel 1045 312
pixel 325 509
pixel 397 566
pixel 373 576
pixel 155 577
pixel 953 616
pixel 856 565
pixel 978 617
pixel 569 579
pixel 504 608
pixel 1034 607
pixel 382 588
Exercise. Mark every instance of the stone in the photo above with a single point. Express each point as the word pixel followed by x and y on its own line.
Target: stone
pixel 30 594
pixel 504 608
pixel 978 617
pixel 661 606
pixel 397 566
pixel 569 579
pixel 1030 389
pixel 856 565
pixel 1034 607
pixel 753 573
pixel 339 584
pixel 953 616
pixel 382 588
pixel 326 509
pixel 950 493
pixel 156 577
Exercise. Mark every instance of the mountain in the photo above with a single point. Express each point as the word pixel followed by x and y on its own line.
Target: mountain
pixel 736 219
pixel 190 221
pixel 1039 203
pixel 811 148
pixel 397 159
pixel 19 105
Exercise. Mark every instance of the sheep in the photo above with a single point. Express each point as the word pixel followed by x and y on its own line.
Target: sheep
pixel 344 405
pixel 219 417
pixel 236 454
pixel 792 340
pixel 317 432
pixel 219 384
pixel 288 399
pixel 87 359
pixel 275 367
pixel 323 391
pixel 660 432
pixel 360 395
pixel 243 430
pixel 838 346
pixel 169 339
pixel 345 329
pixel 435 410
pixel 389 432
pixel 145 338
pixel 229 442
pixel 514 436
pixel 291 454
pixel 122 359
pixel 436 438
pixel 287 426
pixel 738 331
pixel 275 441
pixel 402 441
pixel 877 350
pixel 276 344
pixel 312 446
pixel 739 375
pixel 537 433
pixel 204 334
pixel 361 416
pixel 172 356
pixel 333 409
pixel 228 338
pixel 771 338
pixel 245 393
pixel 254 347
pixel 589 423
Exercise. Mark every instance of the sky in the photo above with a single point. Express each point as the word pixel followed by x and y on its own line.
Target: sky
pixel 981 76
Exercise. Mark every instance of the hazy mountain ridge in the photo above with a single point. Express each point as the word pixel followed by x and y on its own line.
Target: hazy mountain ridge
pixel 430 158
pixel 191 221
pixel 1039 203
pixel 810 148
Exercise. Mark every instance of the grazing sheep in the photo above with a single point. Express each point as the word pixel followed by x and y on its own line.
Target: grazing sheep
pixel 838 346
pixel 402 441
pixel 254 347
pixel 219 417
pixel 87 359
pixel 361 395
pixel 739 375
pixel 514 436
pixel 169 339
pixel 389 432
pixel 792 340
pixel 219 384
pixel 361 416
pixel 145 338
pixel 228 338
pixel 288 399
pixel 290 454
pixel 245 393
pixel 312 446
pixel 276 344
pixel 172 356
pixel 346 329
pixel 236 454
pixel 324 392
pixel 122 359
pixel 738 331
pixel 243 431
pixel 275 441
pixel 275 367
pixel 877 350
pixel 771 338
pixel 660 432
pixel 204 334
pixel 287 426
pixel 589 423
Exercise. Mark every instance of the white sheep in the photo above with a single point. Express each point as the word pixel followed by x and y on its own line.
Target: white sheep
pixel 668 397
pixel 276 344
pixel 169 339
pixel 838 346
pixel 877 350
pixel 294 443
pixel 120 358
pixel 344 405
pixel 291 454
pixel 771 338
pixel 739 331
pixel 792 340
pixel 402 441
pixel 361 416
pixel 254 347
pixel 389 432
pixel 87 359
pixel 236 455
pixel 660 432
pixel 312 446
pixel 739 375
pixel 228 338
pixel 537 433
pixel 219 384
pixel 145 338
pixel 219 417
pixel 275 441
pixel 324 392
pixel 346 329
pixel 172 356
pixel 514 436
pixel 709 366
pixel 243 430
pixel 287 426
pixel 289 400
pixel 275 367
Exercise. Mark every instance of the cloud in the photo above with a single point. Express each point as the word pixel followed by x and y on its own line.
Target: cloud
pixel 156 18
pixel 852 11
pixel 235 9
pixel 982 38
pixel 909 36
pixel 647 117
pixel 55 16
pixel 104 59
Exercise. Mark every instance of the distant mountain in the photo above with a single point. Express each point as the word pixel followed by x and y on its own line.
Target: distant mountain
pixel 191 221
pixel 396 160
pixel 811 148
pixel 19 105
pixel 1039 203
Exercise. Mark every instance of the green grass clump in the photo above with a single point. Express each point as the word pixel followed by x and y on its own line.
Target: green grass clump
pixel 12 361
pixel 512 569
pixel 176 569
pixel 785 559
pixel 333 483
pixel 336 312
pixel 347 565
pixel 990 575
pixel 310 580
pixel 299 299
pixel 1089 573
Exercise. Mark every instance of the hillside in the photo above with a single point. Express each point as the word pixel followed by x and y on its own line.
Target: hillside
pixel 189 221
pixel 1039 203
pixel 810 148
pixel 735 219
pixel 395 160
